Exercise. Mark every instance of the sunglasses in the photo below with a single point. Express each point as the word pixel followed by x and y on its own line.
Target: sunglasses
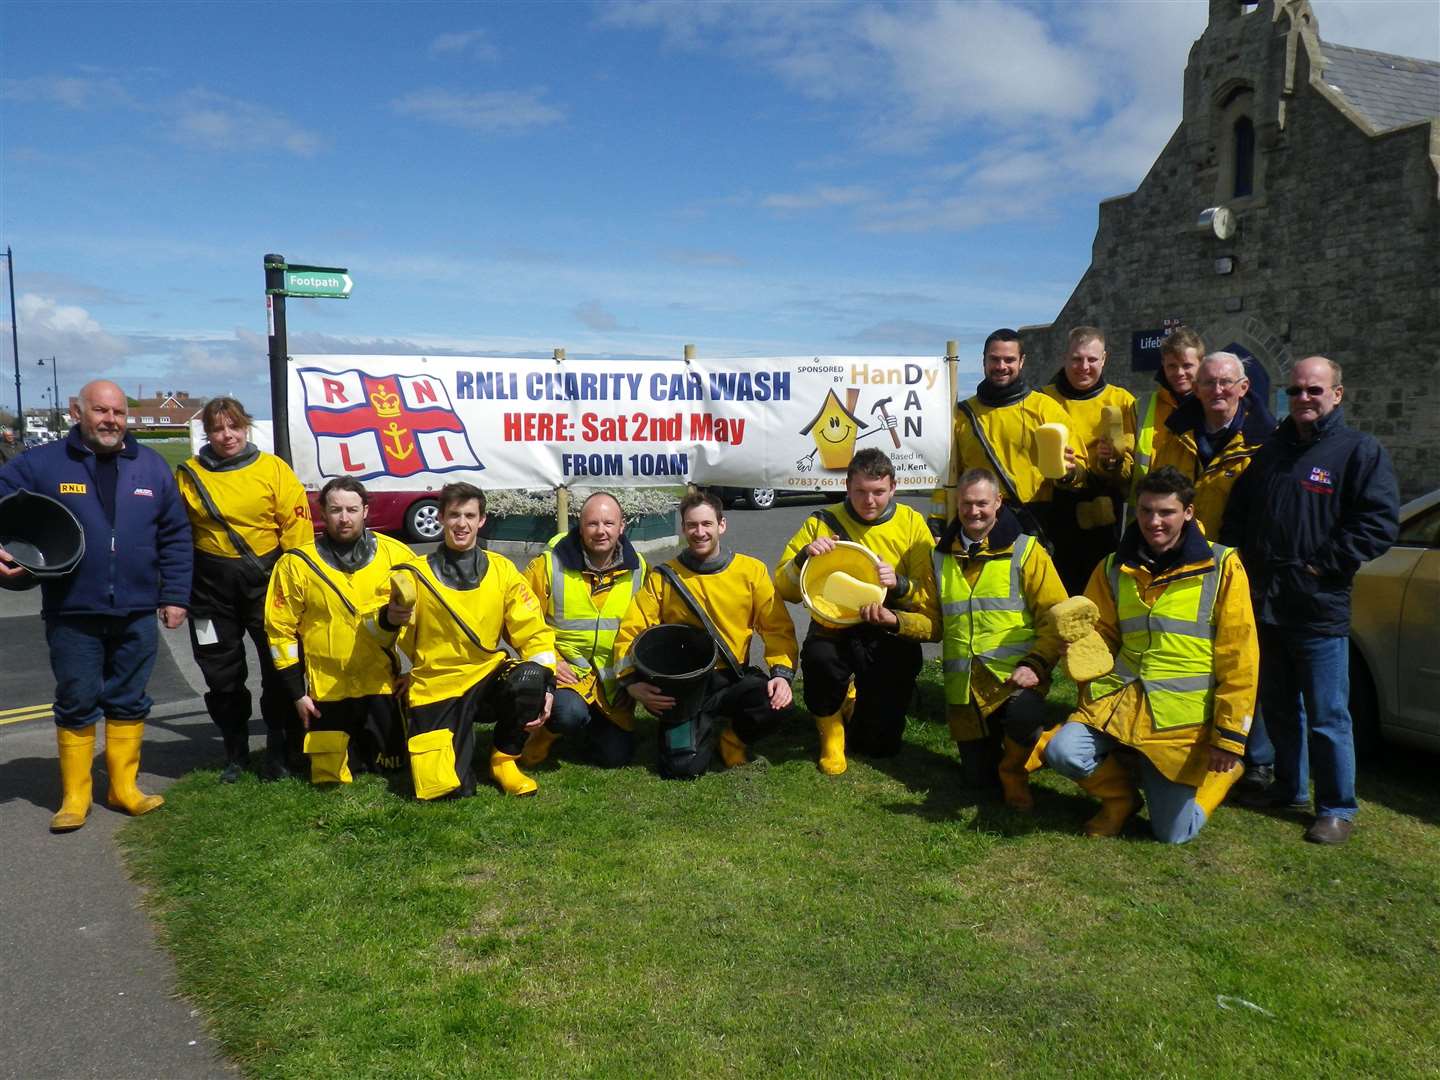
pixel 1308 391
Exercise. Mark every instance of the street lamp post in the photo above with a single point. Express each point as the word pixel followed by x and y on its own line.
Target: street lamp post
pixel 15 346
pixel 55 420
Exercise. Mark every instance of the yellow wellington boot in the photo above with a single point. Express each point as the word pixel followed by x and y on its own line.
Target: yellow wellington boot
pixel 77 751
pixel 511 780
pixel 537 746
pixel 1119 799
pixel 122 759
pixel 732 750
pixel 832 743
pixel 1213 789
pixel 1014 778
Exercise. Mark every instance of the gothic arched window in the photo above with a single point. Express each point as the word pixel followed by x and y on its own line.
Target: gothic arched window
pixel 1243 157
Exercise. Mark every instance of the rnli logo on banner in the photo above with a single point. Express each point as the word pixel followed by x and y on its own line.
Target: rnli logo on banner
pixel 383 425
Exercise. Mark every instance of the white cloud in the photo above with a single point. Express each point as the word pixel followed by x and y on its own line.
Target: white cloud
pixel 820 197
pixel 594 316
pixel 702 258
pixel 502 112
pixel 70 92
pixel 50 328
pixel 474 43
pixel 224 123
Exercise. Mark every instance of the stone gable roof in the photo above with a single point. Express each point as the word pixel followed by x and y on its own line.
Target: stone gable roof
pixel 1390 91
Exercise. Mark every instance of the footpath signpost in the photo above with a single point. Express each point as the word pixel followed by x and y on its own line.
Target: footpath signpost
pixel 282 280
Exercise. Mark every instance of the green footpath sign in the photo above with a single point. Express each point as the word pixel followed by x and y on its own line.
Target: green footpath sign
pixel 331 282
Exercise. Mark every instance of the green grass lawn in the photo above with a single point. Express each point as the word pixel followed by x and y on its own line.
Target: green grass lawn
pixel 771 920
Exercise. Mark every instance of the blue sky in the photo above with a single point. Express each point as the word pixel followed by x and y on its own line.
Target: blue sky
pixel 615 178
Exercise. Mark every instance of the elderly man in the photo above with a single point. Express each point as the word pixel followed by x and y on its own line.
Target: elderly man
pixel 1087 519
pixel 996 585
pixel 1214 434
pixel 1180 356
pixel 1175 611
pixel 1318 500
pixel 995 430
pixel 100 620
pixel 585 580
pixel 10 447
pixel 882 654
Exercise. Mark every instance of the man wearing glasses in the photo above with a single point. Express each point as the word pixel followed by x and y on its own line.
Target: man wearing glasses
pixel 1318 500
pixel 1214 434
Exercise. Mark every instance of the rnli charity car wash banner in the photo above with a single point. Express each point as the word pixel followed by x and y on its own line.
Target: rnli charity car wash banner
pixel 399 422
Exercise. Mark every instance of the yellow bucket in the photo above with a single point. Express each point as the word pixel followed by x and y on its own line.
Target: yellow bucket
pixel 832 583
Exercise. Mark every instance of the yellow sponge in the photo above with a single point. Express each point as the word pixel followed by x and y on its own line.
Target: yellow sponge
pixel 850 592
pixel 1074 617
pixel 1088 658
pixel 1050 440
pixel 402 589
pixel 1112 424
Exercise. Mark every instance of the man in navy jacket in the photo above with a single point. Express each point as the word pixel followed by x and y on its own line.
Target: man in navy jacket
pixel 1318 500
pixel 100 619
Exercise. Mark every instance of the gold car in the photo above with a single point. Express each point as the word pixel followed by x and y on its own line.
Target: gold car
pixel 1395 634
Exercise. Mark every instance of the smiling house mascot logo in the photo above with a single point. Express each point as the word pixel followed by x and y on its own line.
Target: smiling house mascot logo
pixel 835 429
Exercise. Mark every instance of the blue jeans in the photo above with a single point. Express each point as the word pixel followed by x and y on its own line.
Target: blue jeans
pixel 102 664
pixel 609 746
pixel 1077 750
pixel 1305 695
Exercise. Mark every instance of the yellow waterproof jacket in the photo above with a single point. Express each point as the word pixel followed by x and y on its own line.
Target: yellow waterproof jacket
pixel 740 599
pixel 1041 586
pixel 316 614
pixel 1086 424
pixel 1152 412
pixel 1180 753
pixel 446 663
pixel 901 538
pixel 262 500
pixel 565 553
pixel 1214 481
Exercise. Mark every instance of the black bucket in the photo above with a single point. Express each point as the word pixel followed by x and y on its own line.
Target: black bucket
pixel 41 535
pixel 676 659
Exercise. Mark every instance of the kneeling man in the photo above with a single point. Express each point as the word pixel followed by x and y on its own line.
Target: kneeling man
pixel 732 598
pixel 467 605
pixel 1175 611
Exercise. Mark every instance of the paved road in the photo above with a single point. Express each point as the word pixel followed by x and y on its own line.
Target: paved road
pixel 87 991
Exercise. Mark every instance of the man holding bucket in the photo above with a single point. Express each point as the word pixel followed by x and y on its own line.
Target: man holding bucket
pixel 704 700
pixel 871 590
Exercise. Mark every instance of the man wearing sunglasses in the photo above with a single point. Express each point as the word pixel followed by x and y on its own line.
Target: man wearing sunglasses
pixel 1318 500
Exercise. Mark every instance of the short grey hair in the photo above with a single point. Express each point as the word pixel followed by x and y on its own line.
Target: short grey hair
pixel 1227 358
pixel 978 476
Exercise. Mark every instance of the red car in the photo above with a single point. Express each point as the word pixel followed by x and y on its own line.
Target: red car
pixel 414 515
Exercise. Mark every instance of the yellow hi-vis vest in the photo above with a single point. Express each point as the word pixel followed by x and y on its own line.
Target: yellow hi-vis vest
pixel 1170 647
pixel 585 633
pixel 1145 406
pixel 989 622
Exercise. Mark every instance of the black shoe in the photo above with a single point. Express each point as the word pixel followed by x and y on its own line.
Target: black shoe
pixel 274 768
pixel 231 773
pixel 1329 830
pixel 1256 779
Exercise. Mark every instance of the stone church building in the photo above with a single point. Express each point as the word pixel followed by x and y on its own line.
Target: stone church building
pixel 1295 211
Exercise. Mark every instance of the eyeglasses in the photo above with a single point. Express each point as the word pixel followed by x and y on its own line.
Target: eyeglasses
pixel 1219 384
pixel 1308 391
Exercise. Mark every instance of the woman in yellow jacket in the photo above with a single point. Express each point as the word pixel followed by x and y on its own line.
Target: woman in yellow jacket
pixel 1175 611
pixel 245 507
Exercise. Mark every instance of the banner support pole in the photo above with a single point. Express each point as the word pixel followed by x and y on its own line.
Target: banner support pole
pixel 952 468
pixel 690 487
pixel 279 356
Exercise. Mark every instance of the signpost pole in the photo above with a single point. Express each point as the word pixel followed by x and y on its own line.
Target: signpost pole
pixel 952 469
pixel 15 345
pixel 279 355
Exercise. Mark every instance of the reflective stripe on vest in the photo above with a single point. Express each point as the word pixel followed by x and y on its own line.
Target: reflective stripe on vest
pixel 1145 406
pixel 989 622
pixel 584 632
pixel 1170 647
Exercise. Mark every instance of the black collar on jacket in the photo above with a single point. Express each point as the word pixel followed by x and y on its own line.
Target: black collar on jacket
pixel 721 560
pixel 1002 534
pixel 1324 427
pixel 885 515
pixel 570 553
pixel 350 557
pixel 459 569
pixel 1192 548
pixel 1061 382
pixel 215 463
pixel 75 443
pixel 998 397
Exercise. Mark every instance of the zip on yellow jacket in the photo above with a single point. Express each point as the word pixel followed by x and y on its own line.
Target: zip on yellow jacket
pixel 315 616
pixel 1040 585
pixel 259 495
pixel 901 538
pixel 1180 753
pixel 737 593
pixel 1086 422
pixel 500 608
pixel 1215 480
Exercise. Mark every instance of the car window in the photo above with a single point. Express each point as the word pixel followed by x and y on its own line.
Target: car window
pixel 1423 530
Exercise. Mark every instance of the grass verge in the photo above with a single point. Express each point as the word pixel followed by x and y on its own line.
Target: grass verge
pixel 773 921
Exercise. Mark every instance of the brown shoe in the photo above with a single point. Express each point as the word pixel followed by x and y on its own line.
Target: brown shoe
pixel 1329 830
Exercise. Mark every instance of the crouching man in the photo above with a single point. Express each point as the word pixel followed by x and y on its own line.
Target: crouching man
pixel 1175 611
pixel 585 580
pixel 459 609
pixel 731 597
pixel 340 677
pixel 996 585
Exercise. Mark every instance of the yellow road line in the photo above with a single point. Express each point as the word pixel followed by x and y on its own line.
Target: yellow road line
pixel 31 712
pixel 24 709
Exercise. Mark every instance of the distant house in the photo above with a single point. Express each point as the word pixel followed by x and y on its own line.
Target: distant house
pixel 171 410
